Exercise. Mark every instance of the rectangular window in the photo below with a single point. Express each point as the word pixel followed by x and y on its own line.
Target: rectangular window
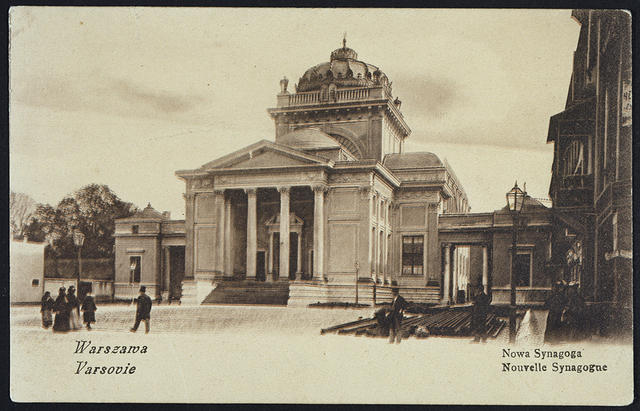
pixel 134 266
pixel 412 255
pixel 35 282
pixel 522 275
pixel 134 229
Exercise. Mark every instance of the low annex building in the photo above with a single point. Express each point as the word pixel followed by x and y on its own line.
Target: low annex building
pixel 333 200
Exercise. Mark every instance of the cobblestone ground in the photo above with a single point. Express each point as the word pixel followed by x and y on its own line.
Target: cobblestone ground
pixel 215 318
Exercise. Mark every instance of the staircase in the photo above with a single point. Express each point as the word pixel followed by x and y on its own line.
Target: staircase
pixel 249 292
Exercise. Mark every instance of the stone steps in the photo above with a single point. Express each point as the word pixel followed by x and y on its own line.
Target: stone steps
pixel 249 292
pixel 303 294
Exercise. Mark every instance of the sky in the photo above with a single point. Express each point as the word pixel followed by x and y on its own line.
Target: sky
pixel 127 96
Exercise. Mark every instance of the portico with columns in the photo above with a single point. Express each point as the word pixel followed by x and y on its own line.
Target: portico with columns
pixel 335 201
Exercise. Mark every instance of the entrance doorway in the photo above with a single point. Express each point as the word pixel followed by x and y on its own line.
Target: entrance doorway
pixel 261 273
pixel 293 255
pixel 176 272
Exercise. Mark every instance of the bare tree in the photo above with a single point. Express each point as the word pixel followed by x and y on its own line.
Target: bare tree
pixel 21 208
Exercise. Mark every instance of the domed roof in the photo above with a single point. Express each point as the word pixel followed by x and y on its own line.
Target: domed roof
pixel 307 138
pixel 411 160
pixel 148 212
pixel 344 70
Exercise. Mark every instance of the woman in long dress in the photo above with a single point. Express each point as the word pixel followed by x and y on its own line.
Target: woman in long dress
pixel 74 306
pixel 61 308
pixel 46 308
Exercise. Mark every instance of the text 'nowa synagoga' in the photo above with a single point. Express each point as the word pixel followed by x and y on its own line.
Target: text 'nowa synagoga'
pixel 334 198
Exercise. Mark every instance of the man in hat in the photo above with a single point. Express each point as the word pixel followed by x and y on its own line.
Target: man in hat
pixel 481 308
pixel 143 310
pixel 396 311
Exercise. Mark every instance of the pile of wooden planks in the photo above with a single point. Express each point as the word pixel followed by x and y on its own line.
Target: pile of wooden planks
pixel 447 322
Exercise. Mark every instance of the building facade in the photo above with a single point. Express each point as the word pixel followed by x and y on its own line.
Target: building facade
pixel 332 202
pixel 591 173
pixel 150 252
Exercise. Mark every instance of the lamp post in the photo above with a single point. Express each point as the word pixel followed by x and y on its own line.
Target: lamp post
pixel 78 240
pixel 515 203
pixel 357 265
pixel 133 267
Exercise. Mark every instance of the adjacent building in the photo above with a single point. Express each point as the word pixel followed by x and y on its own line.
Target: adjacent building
pixel 591 173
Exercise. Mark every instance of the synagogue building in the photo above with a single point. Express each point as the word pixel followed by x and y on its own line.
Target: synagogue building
pixel 334 200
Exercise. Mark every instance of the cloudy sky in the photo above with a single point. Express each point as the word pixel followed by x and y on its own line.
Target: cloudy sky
pixel 126 96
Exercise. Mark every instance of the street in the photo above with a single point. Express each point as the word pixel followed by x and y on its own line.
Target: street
pixel 276 354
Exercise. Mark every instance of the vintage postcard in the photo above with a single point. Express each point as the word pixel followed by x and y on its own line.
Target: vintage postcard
pixel 232 205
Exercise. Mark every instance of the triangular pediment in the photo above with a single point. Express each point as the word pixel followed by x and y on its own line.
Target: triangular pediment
pixel 265 154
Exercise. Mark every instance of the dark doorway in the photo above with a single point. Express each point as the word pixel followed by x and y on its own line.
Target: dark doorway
pixel 260 270
pixel 293 255
pixel 176 272
pixel 276 256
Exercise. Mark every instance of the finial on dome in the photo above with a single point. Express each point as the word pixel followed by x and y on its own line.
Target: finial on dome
pixel 344 40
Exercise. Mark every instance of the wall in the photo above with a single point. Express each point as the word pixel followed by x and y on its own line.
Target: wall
pixel 102 290
pixel 533 241
pixel 26 264
pixel 147 248
pixel 346 223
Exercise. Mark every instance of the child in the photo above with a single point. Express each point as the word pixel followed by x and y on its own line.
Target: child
pixel 88 310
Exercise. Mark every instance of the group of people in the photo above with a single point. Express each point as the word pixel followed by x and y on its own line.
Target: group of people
pixel 567 319
pixel 64 311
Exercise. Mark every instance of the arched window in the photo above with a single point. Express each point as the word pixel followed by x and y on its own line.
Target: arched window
pixel 573 159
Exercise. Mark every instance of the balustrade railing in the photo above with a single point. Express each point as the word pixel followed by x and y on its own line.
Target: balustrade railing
pixel 318 97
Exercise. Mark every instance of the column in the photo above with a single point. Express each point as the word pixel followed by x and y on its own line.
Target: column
pixel 284 231
pixel 385 248
pixel 318 232
pixel 454 269
pixel 270 261
pixel 219 252
pixel 228 258
pixel 189 255
pixel 447 274
pixel 299 257
pixel 372 235
pixel 432 246
pixel 252 235
pixel 485 270
pixel 167 268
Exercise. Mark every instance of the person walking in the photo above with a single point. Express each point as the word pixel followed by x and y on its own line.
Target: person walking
pixel 46 308
pixel 575 314
pixel 143 310
pixel 555 304
pixel 61 309
pixel 396 312
pixel 88 310
pixel 74 306
pixel 479 313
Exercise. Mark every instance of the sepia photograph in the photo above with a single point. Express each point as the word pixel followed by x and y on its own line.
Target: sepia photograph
pixel 281 205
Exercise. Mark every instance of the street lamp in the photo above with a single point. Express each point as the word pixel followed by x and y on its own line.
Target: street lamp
pixel 133 267
pixel 78 240
pixel 357 266
pixel 515 202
